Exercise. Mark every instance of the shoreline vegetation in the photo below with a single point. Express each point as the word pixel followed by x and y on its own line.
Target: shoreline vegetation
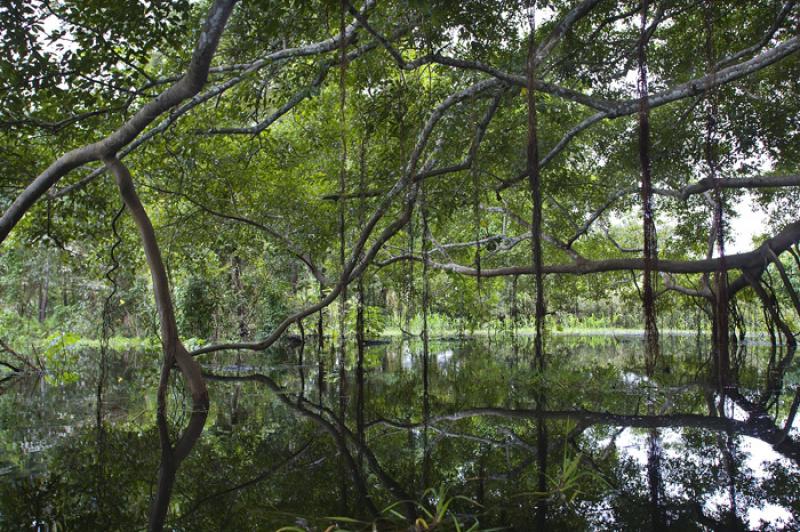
pixel 69 341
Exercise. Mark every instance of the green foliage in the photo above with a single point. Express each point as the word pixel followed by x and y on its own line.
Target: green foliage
pixel 573 476
pixel 375 320
pixel 61 356
pixel 197 301
pixel 272 310
pixel 249 230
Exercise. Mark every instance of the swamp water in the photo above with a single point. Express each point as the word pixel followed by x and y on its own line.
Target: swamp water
pixel 473 435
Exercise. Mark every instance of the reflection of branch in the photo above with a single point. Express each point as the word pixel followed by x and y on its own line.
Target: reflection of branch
pixel 341 435
pixel 19 358
pixel 255 480
pixel 9 366
pixel 758 424
pixel 511 442
pixel 174 352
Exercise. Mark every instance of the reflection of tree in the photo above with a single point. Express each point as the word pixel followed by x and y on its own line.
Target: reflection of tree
pixel 273 462
pixel 757 425
pixel 481 434
pixel 69 499
pixel 341 435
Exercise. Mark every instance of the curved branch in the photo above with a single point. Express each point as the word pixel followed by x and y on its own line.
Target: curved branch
pixel 758 258
pixel 174 351
pixel 546 46
pixel 283 239
pixel 189 85
pixel 356 265
pixel 776 24
pixel 244 70
pixel 690 88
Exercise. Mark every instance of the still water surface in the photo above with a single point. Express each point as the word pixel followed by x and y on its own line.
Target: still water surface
pixel 475 434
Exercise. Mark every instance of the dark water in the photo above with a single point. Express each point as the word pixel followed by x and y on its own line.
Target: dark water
pixel 476 435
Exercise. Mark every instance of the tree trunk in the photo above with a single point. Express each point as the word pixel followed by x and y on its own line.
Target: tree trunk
pixel 174 353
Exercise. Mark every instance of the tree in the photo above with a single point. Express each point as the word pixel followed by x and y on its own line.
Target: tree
pixel 228 118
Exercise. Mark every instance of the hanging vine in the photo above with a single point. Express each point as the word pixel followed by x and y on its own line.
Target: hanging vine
pixel 409 294
pixel 535 186
pixel 342 172
pixel 107 327
pixel 476 215
pixel 360 325
pixel 106 333
pixel 648 221
pixel 721 300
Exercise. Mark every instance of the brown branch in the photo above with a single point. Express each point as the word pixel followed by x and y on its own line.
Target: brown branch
pixel 13 368
pixel 566 24
pixel 17 356
pixel 174 351
pixel 776 24
pixel 787 283
pixel 283 239
pixel 688 89
pixel 356 264
pixel 297 98
pixel 749 261
pixel 771 306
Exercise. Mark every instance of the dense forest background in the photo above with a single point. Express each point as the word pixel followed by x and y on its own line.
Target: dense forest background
pixel 260 184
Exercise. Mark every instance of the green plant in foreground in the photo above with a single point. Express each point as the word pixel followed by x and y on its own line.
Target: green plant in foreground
pixel 571 480
pixel 434 513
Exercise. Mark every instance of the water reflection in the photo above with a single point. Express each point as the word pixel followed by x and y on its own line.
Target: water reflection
pixel 393 433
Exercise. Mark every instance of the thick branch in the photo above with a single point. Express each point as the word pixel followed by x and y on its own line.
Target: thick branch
pixel 189 85
pixel 758 258
pixel 355 266
pixel 174 351
pixel 690 88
